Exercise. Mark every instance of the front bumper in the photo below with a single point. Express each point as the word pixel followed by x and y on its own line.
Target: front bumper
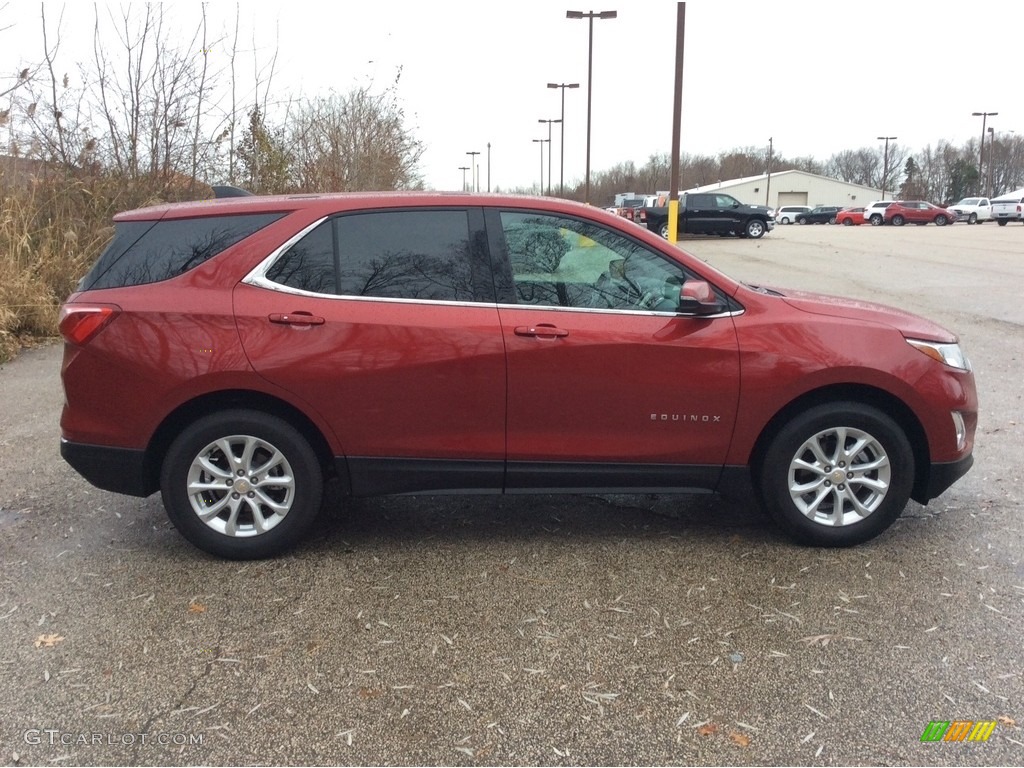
pixel 941 476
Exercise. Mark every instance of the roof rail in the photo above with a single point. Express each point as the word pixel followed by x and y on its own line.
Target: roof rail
pixel 228 191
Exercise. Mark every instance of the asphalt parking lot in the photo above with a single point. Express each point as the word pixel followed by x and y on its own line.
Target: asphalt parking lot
pixel 548 630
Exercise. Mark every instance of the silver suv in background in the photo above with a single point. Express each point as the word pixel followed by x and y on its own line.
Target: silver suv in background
pixel 874 213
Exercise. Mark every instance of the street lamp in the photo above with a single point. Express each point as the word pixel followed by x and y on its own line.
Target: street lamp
pixel 590 16
pixel 561 152
pixel 472 174
pixel 885 161
pixel 991 151
pixel 981 157
pixel 541 142
pixel 488 167
pixel 549 122
pixel 463 168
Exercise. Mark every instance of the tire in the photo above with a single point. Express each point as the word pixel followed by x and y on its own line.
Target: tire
pixel 817 500
pixel 847 222
pixel 663 230
pixel 972 219
pixel 785 220
pixel 832 220
pixel 755 228
pixel 1001 222
pixel 801 220
pixel 276 475
pixel 876 220
pixel 898 221
pixel 941 220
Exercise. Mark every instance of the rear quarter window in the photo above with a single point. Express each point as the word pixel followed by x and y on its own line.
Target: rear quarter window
pixel 147 252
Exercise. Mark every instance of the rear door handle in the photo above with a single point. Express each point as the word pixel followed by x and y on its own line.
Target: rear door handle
pixel 296 318
pixel 542 331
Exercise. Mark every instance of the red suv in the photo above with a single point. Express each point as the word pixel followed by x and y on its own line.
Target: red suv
pixel 235 354
pixel 918 212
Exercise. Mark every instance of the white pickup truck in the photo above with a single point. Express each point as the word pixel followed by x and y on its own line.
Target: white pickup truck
pixel 973 209
pixel 1008 207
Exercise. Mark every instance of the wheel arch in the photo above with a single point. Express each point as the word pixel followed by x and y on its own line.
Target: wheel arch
pixel 206 404
pixel 884 401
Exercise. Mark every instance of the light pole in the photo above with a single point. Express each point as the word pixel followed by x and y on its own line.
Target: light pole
pixel 472 174
pixel 541 142
pixel 561 152
pixel 981 157
pixel 550 174
pixel 463 168
pixel 590 16
pixel 991 151
pixel 768 185
pixel 885 161
pixel 488 167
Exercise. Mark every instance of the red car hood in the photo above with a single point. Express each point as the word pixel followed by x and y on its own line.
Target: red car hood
pixel 907 323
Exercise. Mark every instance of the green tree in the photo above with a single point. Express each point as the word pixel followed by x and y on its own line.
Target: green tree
pixel 263 156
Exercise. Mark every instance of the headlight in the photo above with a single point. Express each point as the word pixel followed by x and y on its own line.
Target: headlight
pixel 947 354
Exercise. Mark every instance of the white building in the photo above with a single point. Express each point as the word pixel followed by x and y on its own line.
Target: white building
pixel 795 188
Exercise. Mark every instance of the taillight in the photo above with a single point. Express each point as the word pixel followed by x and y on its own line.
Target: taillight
pixel 79 323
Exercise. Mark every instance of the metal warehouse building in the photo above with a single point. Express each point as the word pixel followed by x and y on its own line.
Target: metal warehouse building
pixel 794 188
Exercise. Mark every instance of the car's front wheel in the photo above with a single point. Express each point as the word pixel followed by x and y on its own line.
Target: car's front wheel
pixel 876 220
pixel 755 228
pixel 972 219
pixel 832 220
pixel 897 220
pixel 663 230
pixel 241 484
pixel 837 474
pixel 847 222
pixel 941 221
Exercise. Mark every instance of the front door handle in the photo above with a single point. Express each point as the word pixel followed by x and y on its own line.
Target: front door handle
pixel 541 331
pixel 296 318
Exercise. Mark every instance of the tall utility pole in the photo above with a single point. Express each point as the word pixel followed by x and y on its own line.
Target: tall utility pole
pixel 981 157
pixel 550 174
pixel 677 126
pixel 463 168
pixel 885 161
pixel 768 186
pixel 991 151
pixel 473 175
pixel 561 152
pixel 488 167
pixel 590 15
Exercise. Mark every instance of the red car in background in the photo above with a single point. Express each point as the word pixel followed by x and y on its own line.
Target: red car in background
pixel 850 216
pixel 918 212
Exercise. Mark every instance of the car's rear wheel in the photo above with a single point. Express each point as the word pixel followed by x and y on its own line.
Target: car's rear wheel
pixel 801 220
pixel 941 221
pixel 785 220
pixel 897 220
pixel 847 222
pixel 837 474
pixel 241 484
pixel 832 220
pixel 755 228
pixel 663 231
pixel 876 220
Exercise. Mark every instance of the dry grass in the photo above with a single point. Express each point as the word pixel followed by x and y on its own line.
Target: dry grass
pixel 51 231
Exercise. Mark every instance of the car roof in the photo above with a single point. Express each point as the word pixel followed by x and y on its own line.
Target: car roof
pixel 340 201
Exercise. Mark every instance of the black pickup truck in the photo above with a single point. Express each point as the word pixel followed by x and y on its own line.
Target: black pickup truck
pixel 711 213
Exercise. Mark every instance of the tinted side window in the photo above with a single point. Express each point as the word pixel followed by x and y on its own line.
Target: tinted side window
pixel 147 252
pixel 405 255
pixel 309 264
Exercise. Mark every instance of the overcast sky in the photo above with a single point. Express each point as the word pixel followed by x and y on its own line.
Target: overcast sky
pixel 818 77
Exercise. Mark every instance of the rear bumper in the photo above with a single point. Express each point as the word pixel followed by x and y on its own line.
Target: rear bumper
pixel 120 470
pixel 941 477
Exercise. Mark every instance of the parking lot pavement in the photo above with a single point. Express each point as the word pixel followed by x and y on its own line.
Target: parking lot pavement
pixel 550 630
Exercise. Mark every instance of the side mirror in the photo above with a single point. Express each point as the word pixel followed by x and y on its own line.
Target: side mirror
pixel 696 297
